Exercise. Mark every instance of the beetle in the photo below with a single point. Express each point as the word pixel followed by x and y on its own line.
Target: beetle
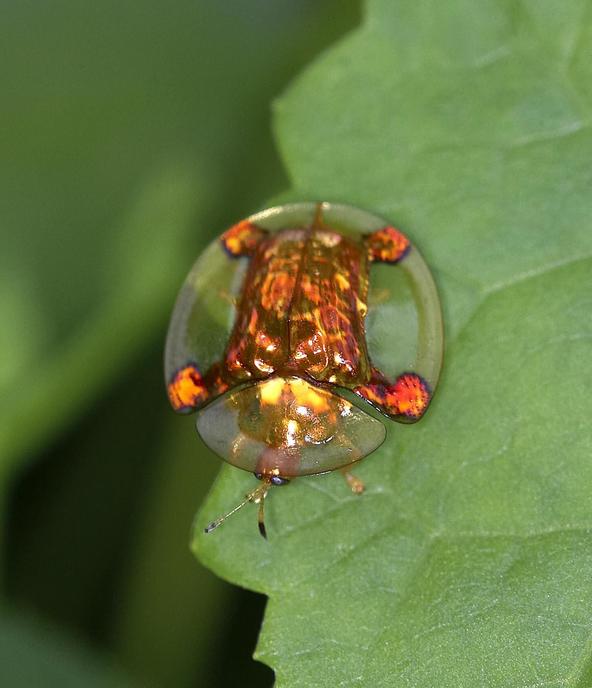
pixel 296 331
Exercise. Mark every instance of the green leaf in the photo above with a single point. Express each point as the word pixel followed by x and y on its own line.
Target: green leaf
pixel 467 561
pixel 136 294
pixel 33 653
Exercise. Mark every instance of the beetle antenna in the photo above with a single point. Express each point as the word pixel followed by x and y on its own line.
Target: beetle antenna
pixel 257 496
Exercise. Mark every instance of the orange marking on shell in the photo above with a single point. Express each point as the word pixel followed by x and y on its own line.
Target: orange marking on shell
pixel 311 291
pixel 187 389
pixel 252 327
pixel 233 360
pixel 264 341
pixel 242 238
pixel 409 396
pixel 387 245
pixel 277 290
pixel 342 282
pixel 311 346
pixel 296 393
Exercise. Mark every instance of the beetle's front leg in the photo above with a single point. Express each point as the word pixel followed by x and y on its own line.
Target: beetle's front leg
pixel 355 484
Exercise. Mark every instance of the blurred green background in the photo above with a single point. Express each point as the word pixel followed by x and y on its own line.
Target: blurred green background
pixel 131 134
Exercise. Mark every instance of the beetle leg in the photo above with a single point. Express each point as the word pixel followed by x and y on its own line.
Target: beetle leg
pixel 242 238
pixel 406 399
pixel 261 512
pixel 228 297
pixel 387 245
pixel 356 485
pixel 376 297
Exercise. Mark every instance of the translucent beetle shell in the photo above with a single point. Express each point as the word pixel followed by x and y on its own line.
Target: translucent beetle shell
pixel 293 328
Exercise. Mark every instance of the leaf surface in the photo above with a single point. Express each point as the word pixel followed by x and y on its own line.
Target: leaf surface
pixel 467 561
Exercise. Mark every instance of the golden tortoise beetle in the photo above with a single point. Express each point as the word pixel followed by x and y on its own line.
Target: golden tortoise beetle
pixel 289 327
